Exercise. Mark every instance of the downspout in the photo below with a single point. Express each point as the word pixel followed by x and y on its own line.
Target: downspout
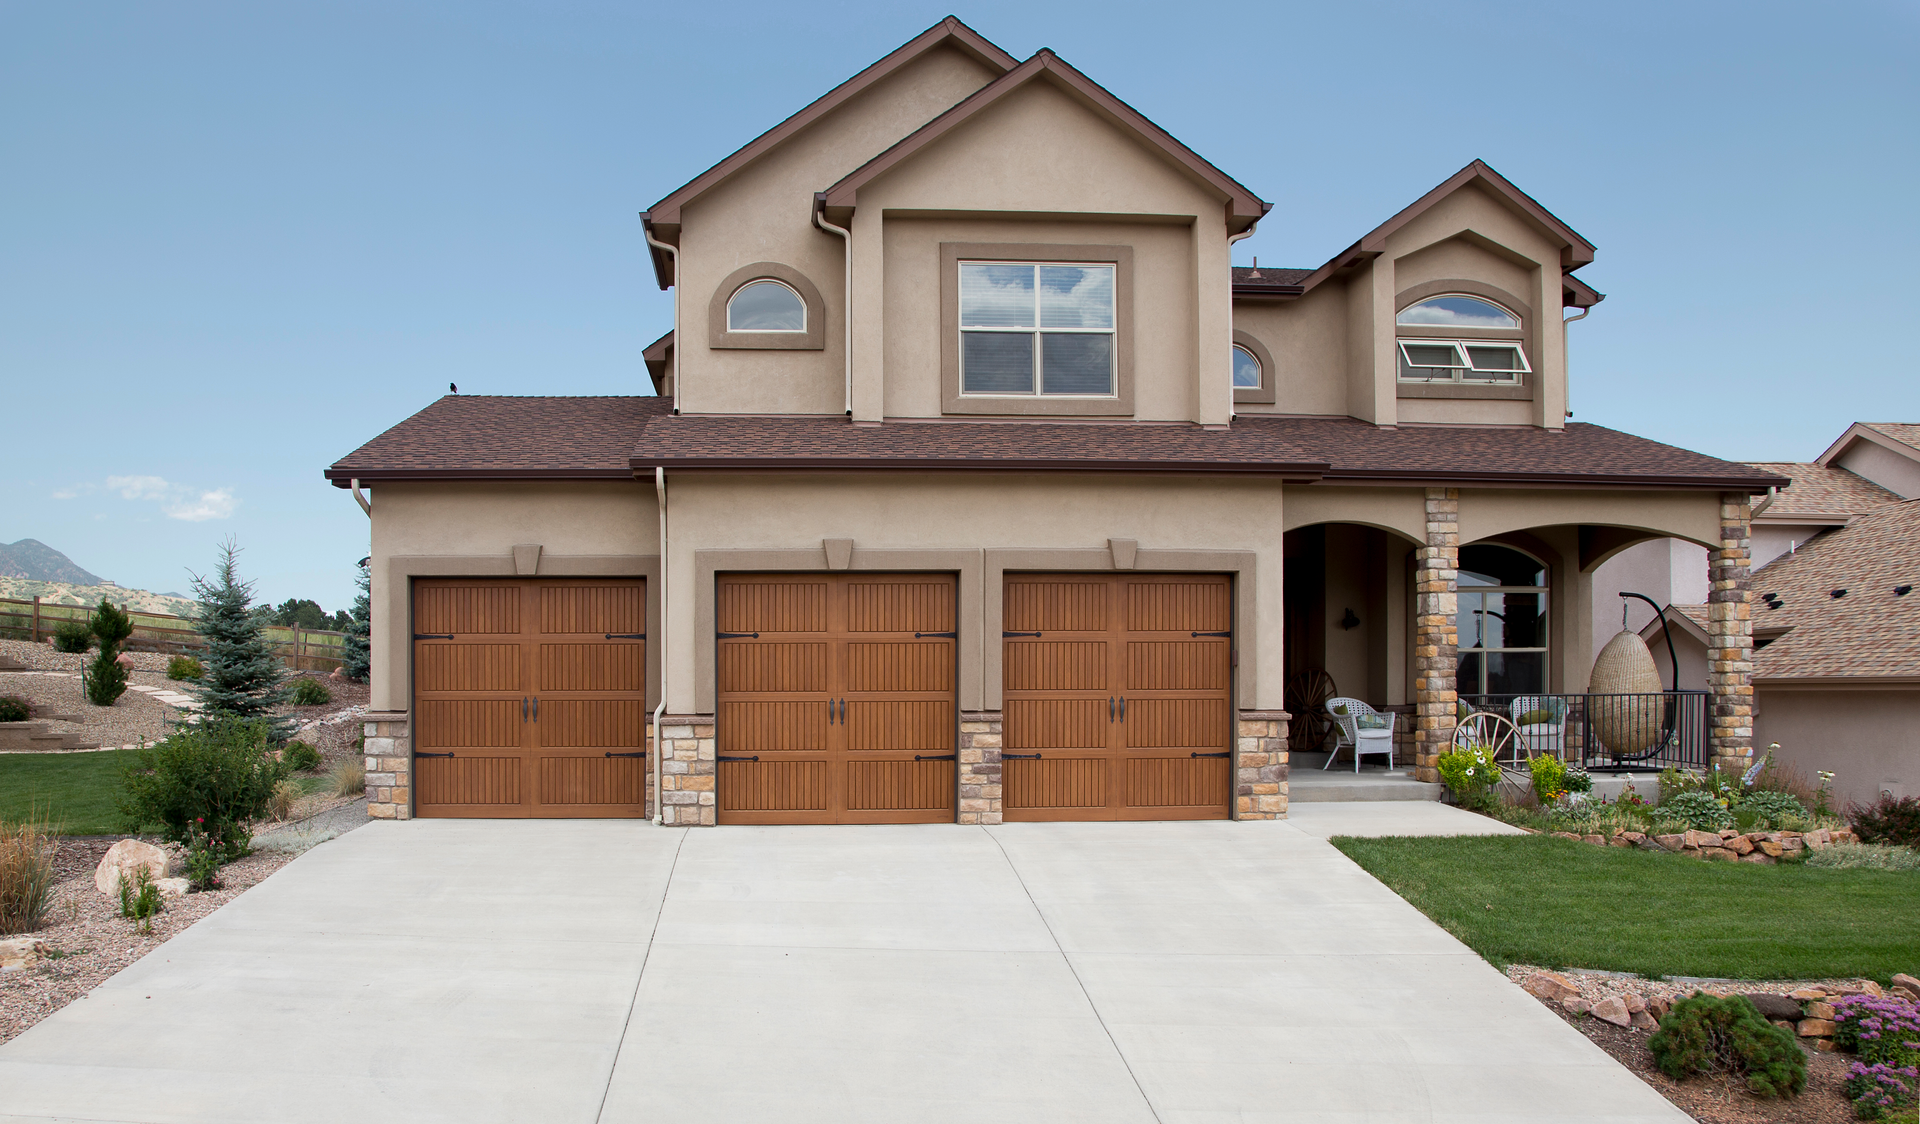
pixel 660 628
pixel 846 299
pixel 1566 366
pixel 673 253
pixel 360 499
pixel 1231 239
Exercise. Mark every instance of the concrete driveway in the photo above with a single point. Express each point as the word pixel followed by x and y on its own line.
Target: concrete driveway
pixel 580 971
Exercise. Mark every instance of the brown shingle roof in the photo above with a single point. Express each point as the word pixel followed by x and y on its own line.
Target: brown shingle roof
pixel 1871 632
pixel 1819 489
pixel 1907 433
pixel 479 437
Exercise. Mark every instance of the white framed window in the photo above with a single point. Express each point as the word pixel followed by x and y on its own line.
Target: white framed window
pixel 766 306
pixel 1036 328
pixel 1246 369
pixel 1427 360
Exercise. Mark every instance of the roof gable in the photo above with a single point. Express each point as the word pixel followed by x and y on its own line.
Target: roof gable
pixel 1897 437
pixel 1244 208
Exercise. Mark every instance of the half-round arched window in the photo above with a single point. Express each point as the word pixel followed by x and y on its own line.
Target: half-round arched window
pixel 1246 369
pixel 766 306
pixel 1457 311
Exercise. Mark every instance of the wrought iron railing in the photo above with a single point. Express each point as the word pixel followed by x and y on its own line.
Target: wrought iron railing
pixel 1610 732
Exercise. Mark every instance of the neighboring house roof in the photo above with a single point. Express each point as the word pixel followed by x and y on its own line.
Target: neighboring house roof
pixel 1244 208
pixel 1869 635
pixel 949 32
pixel 1901 437
pixel 1819 493
pixel 475 437
pixel 656 356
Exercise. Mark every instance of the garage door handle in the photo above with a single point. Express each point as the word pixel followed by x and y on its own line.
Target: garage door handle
pixel 626 636
pixel 422 753
pixel 724 757
pixel 948 635
pixel 643 753
pixel 1209 754
pixel 1109 708
pixel 536 709
pixel 736 635
pixel 1005 756
pixel 1123 708
pixel 936 757
pixel 1213 634
pixel 433 636
pixel 523 708
pixel 1019 634
pixel 829 712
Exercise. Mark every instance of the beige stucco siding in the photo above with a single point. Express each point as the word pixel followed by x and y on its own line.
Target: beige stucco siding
pixel 1307 339
pixel 1869 740
pixel 765 213
pixel 1685 515
pixel 470 529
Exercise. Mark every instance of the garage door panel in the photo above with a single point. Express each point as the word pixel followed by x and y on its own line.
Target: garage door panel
pixel 449 723
pixel 445 666
pixel 1184 723
pixel 1049 665
pixel 900 786
pixel 1180 605
pixel 758 666
pixel 593 608
pixel 900 665
pixel 899 606
pixel 1176 665
pixel 773 787
pixel 1055 782
pixel 899 725
pixel 593 667
pixel 772 605
pixel 1056 723
pixel 761 727
pixel 467 610
pixel 471 781
pixel 578 780
pixel 1043 605
pixel 592 723
pixel 1176 782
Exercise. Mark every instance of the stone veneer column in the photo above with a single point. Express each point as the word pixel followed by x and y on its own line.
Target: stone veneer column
pixel 1260 766
pixel 389 765
pixel 1436 640
pixel 687 771
pixel 1730 639
pixel 980 791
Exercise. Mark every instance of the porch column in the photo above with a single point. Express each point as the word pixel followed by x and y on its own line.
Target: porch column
pixel 1730 639
pixel 1436 639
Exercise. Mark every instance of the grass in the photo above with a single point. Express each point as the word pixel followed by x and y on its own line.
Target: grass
pixel 1553 902
pixel 78 793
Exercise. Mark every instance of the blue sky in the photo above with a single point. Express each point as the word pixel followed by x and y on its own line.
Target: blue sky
pixel 238 240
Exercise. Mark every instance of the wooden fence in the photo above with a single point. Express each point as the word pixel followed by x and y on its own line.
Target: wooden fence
pixel 303 649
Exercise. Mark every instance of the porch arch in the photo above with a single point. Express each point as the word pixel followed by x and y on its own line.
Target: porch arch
pixel 1608 522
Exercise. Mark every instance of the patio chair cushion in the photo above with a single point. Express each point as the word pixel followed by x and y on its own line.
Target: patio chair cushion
pixel 1537 718
pixel 1371 721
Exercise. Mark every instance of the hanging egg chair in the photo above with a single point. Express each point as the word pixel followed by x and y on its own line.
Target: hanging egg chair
pixel 1626 726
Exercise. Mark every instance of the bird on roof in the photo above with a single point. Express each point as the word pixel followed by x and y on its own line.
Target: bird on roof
pixel 452 389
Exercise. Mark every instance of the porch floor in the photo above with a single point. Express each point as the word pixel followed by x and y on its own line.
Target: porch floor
pixel 1307 783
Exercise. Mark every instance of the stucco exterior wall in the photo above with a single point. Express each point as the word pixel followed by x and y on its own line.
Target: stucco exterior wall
pixel 765 213
pixel 1688 515
pixel 1307 339
pixel 1671 571
pixel 1896 473
pixel 1869 740
pixel 1771 540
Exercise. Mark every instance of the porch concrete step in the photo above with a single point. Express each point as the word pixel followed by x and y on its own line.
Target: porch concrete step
pixel 1307 783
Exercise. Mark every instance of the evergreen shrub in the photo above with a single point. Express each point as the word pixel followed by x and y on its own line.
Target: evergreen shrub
pixel 72 636
pixel 184 667
pixel 1708 1032
pixel 300 757
pixel 244 678
pixel 308 691
pixel 359 629
pixel 103 676
pixel 13 708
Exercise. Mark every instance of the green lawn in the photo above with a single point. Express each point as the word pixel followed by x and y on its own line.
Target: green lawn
pixel 1554 902
pixel 79 792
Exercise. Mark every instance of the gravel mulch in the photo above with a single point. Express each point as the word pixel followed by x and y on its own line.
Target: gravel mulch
pixel 1600 985
pixel 132 717
pixel 42 657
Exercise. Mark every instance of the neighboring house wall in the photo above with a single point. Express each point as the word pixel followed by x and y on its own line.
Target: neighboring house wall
pixel 1898 472
pixel 1671 571
pixel 1869 740
pixel 1691 650
pixel 1771 540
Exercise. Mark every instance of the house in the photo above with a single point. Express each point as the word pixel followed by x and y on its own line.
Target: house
pixel 977 484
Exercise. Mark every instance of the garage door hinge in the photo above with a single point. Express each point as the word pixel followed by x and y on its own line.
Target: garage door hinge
pixel 949 635
pixel 936 757
pixel 1213 634
pixel 641 753
pixel 735 635
pixel 433 636
pixel 724 757
pixel 626 636
pixel 1008 755
pixel 1019 634
pixel 424 753
pixel 1209 755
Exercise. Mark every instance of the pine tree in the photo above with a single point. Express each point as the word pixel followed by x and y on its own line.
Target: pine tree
pixel 243 676
pixel 105 680
pixel 358 665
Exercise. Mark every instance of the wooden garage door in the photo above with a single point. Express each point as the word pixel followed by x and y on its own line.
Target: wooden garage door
pixel 836 698
pixel 530 697
pixel 1117 696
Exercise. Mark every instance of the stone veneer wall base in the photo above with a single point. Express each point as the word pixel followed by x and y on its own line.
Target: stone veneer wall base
pixel 688 767
pixel 1260 766
pixel 981 795
pixel 389 750
pixel 1436 640
pixel 1730 638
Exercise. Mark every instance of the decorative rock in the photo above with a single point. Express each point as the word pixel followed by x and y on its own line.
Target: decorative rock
pixel 1740 845
pixel 1771 848
pixel 1619 841
pixel 1757 857
pixel 1901 979
pixel 1694 840
pixel 1820 1011
pixel 1633 836
pixel 1720 853
pixel 1596 840
pixel 125 857
pixel 1906 993
pixel 1774 1006
pixel 1566 835
pixel 1550 985
pixel 1635 1002
pixel 1816 1028
pixel 1793 843
pixel 19 952
pixel 1844 837
pixel 1658 1008
pixel 1644 1021
pixel 1671 842
pixel 1783 1024
pixel 1577 1005
pixel 1824 1045
pixel 1613 1009
pixel 173 887
pixel 1808 993
pixel 1817 839
pixel 1728 833
pixel 1871 988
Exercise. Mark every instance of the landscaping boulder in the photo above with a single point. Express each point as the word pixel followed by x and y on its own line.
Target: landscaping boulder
pixel 1644 1021
pixel 1807 993
pixel 1613 1009
pixel 1596 840
pixel 19 952
pixel 1635 1002
pixel 1816 1028
pixel 1551 985
pixel 1901 979
pixel 1756 857
pixel 1775 1006
pixel 1671 842
pixel 1818 1010
pixel 1772 849
pixel 1577 1005
pixel 1740 845
pixel 126 857
pixel 1720 853
pixel 173 887
pixel 1694 840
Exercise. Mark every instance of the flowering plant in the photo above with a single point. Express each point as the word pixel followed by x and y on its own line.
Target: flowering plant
pixel 1470 773
pixel 1885 1032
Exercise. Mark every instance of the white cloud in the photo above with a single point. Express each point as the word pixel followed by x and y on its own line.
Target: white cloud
pixel 177 501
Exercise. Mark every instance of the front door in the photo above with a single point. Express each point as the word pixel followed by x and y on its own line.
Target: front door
pixel 1118 696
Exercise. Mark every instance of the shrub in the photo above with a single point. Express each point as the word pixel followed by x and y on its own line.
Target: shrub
pixel 185 667
pixel 1470 775
pixel 281 801
pixel 105 679
pixel 1699 810
pixel 359 629
pixel 1708 1032
pixel 1549 778
pixel 13 708
pixel 140 898
pixel 350 777
pixel 243 678
pixel 1579 780
pixel 1773 807
pixel 308 691
pixel 300 757
pixel 1887 820
pixel 1885 1032
pixel 26 874
pixel 215 772
pixel 1865 856
pixel 72 636
pixel 203 861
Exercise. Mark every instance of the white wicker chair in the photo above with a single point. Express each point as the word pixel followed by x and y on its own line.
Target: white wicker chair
pixel 1542 739
pixel 1348 732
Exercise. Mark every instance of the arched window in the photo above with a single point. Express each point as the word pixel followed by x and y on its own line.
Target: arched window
pixel 1502 622
pixel 766 306
pixel 1246 369
pixel 1456 311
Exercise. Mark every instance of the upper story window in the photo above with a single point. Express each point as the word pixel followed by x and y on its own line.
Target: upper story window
pixel 1036 328
pixel 1246 369
pixel 1488 347
pixel 766 306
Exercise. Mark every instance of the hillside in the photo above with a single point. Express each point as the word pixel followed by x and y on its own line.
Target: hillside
pixel 90 593
pixel 36 561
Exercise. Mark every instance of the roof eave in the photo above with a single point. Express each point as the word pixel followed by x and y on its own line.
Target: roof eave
pixel 1301 473
pixel 343 476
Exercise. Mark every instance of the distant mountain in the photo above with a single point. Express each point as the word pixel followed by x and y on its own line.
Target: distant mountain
pixel 36 561
pixel 67 593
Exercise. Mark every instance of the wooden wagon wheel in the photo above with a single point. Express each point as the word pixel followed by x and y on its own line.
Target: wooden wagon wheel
pixel 1511 751
pixel 1306 698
